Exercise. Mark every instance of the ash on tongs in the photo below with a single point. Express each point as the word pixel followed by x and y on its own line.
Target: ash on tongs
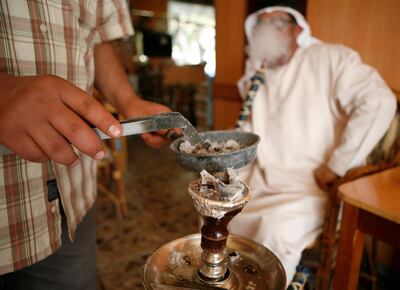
pixel 226 188
pixel 209 147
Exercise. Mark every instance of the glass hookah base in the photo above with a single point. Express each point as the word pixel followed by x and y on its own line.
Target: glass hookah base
pixel 251 266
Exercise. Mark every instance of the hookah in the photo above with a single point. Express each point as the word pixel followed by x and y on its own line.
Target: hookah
pixel 216 259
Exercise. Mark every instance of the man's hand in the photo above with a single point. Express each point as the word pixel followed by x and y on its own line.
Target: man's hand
pixel 113 83
pixel 324 177
pixel 41 116
pixel 136 108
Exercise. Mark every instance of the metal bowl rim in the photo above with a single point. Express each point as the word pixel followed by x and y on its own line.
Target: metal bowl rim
pixel 173 146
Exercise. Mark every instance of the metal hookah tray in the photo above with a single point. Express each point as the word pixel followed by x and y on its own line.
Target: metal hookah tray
pixel 251 265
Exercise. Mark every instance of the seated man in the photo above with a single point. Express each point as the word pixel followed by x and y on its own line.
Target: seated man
pixel 319 113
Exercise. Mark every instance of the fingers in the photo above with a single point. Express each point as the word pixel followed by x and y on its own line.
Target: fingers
pixel 91 110
pixel 152 140
pixel 178 131
pixel 29 150
pixel 324 177
pixel 53 144
pixel 158 138
pixel 162 132
pixel 48 110
pixel 77 132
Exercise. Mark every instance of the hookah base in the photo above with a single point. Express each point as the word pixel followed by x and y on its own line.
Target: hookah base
pixel 251 266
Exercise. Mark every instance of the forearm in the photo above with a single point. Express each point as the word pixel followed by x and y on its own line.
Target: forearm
pixel 111 78
pixel 369 105
pixel 366 125
pixel 113 83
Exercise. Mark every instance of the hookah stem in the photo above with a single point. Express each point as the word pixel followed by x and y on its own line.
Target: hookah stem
pixel 255 82
pixel 215 232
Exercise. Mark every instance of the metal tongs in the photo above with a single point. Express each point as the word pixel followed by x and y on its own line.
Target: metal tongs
pixel 147 124
pixel 155 123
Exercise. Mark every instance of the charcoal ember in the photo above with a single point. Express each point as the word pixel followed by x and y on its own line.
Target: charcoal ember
pixel 232 175
pixel 201 151
pixel 206 144
pixel 229 192
pixel 225 177
pixel 228 188
pixel 232 145
pixel 207 187
pixel 186 147
pixel 207 180
pixel 209 147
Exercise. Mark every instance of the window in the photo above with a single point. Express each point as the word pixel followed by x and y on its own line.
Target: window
pixel 192 27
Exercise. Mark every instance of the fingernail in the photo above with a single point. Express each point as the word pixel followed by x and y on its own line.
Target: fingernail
pixel 114 131
pixel 99 155
pixel 76 162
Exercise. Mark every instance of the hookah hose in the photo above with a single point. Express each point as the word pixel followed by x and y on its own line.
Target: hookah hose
pixel 255 82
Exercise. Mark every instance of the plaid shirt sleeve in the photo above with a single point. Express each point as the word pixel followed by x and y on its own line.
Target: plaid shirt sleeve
pixel 115 21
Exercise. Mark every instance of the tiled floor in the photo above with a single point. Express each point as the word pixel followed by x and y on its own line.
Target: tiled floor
pixel 160 210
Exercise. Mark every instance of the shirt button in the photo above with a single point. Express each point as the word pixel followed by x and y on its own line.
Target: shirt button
pixel 43 28
pixel 53 209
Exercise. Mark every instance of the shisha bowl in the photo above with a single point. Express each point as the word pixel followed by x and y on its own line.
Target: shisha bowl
pixel 221 161
pixel 216 208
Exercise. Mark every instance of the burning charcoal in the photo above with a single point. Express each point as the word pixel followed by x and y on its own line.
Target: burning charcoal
pixel 207 183
pixel 206 144
pixel 232 144
pixel 215 148
pixel 207 178
pixel 230 187
pixel 227 188
pixel 208 147
pixel 232 175
pixel 229 192
pixel 186 147
pixel 202 151
pixel 225 177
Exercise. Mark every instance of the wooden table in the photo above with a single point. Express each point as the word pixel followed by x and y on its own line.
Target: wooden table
pixel 371 206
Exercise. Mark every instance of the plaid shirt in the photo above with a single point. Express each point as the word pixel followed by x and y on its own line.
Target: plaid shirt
pixel 49 37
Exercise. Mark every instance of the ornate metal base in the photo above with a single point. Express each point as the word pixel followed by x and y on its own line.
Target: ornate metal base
pixel 251 266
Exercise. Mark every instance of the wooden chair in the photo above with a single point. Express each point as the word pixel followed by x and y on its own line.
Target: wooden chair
pixel 384 156
pixel 110 175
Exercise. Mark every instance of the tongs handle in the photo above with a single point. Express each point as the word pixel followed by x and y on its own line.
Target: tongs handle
pixel 146 124
pixel 154 123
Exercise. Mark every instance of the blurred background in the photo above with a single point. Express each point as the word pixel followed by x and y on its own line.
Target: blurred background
pixel 189 54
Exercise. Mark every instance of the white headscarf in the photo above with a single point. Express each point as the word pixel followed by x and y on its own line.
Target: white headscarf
pixel 304 39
